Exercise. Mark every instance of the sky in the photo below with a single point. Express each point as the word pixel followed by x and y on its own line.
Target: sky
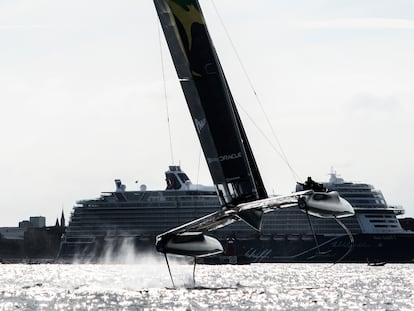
pixel 82 97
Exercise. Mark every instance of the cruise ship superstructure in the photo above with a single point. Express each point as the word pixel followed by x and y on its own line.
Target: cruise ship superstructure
pixel 101 226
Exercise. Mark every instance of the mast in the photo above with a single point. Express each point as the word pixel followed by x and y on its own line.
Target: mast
pixel 224 142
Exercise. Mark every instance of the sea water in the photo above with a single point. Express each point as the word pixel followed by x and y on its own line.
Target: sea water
pixel 147 286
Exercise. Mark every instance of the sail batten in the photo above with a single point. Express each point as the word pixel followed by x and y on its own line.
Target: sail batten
pixel 224 142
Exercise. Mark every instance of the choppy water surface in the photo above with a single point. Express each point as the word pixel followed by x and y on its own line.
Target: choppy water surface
pixel 146 286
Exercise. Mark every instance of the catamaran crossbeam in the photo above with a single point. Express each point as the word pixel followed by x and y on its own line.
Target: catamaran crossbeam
pixel 189 239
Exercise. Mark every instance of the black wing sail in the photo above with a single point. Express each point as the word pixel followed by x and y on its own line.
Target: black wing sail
pixel 223 139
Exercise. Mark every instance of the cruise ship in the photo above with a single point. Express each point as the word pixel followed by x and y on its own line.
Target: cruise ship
pixel 103 226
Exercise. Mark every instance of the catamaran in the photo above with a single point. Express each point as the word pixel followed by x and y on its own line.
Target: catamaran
pixel 225 145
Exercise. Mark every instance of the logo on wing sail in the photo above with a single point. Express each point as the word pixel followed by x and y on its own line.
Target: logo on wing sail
pixel 225 157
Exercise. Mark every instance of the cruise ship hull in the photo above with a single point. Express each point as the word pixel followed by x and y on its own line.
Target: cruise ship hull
pixel 367 248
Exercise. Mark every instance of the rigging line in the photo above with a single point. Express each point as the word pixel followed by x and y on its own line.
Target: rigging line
pixel 165 94
pixel 351 240
pixel 196 202
pixel 292 171
pixel 282 154
pixel 198 165
pixel 313 230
